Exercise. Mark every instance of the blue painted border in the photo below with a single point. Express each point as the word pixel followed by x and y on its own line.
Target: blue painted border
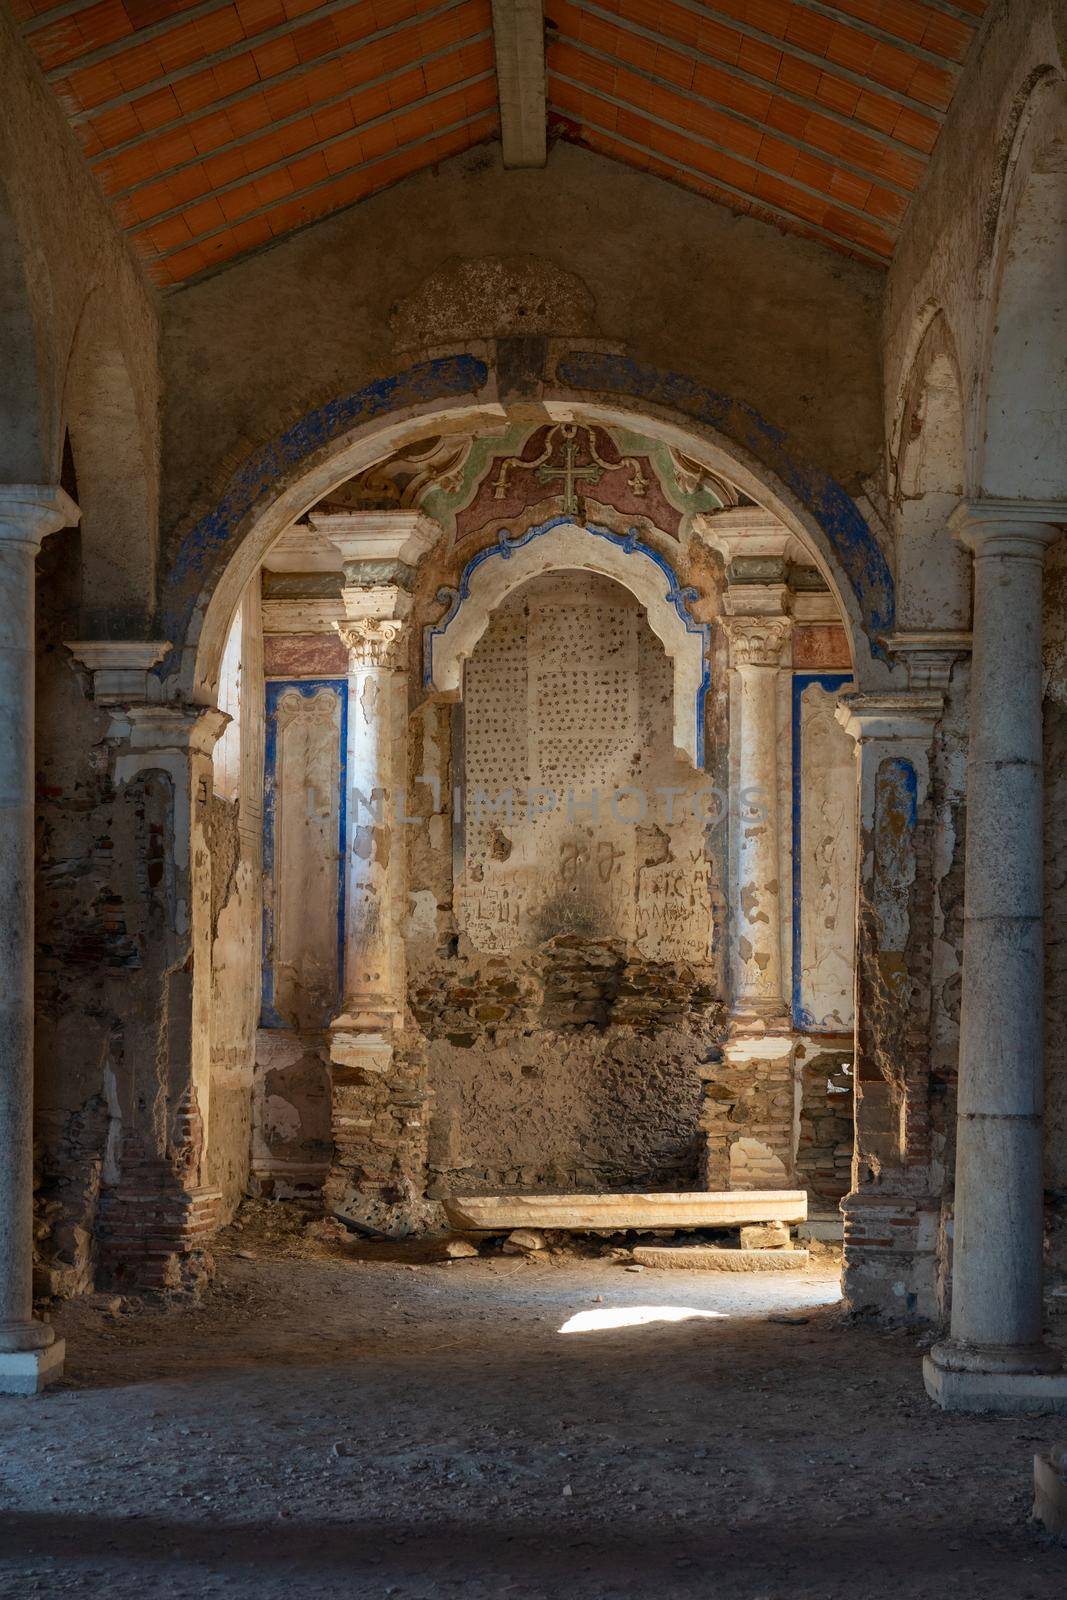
pixel 630 544
pixel 802 1020
pixel 268 1017
pixel 832 507
pixel 257 479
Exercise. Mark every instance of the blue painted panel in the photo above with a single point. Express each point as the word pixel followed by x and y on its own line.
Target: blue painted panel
pixel 831 682
pixel 307 687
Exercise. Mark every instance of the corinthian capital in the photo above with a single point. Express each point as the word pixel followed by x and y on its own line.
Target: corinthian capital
pixel 372 641
pixel 758 641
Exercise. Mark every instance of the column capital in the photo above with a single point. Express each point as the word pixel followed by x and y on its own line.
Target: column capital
pixel 901 714
pixel 373 641
pixel 1020 528
pixel 31 511
pixel 758 641
pixel 119 668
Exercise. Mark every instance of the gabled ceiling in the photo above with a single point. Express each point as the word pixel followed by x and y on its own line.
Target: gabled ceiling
pixel 215 126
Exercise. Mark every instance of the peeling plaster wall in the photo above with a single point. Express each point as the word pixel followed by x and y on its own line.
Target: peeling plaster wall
pixel 572 1014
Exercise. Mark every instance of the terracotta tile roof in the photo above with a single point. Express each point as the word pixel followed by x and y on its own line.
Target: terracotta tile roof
pixel 215 126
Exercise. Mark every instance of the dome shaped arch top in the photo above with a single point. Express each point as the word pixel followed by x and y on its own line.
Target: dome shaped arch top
pixel 562 545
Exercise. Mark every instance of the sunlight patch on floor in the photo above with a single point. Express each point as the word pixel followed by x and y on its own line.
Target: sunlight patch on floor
pixel 633 1317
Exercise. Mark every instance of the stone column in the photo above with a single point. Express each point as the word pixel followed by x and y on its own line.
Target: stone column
pixel 30 1354
pixel 154 1223
pixel 759 648
pixel 995 1358
pixel 379 1122
pixel 891 1218
pixel 373 980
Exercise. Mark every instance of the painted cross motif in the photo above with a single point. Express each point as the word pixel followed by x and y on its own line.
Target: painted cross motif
pixel 568 469
pixel 571 473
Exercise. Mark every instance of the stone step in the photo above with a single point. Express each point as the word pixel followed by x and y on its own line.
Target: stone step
pixel 611 1213
pixel 710 1258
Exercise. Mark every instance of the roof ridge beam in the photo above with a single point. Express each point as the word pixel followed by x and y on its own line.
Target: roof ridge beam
pixel 519 48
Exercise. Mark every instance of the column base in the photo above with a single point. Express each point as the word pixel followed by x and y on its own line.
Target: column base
pixel 30 1371
pixel 1004 1381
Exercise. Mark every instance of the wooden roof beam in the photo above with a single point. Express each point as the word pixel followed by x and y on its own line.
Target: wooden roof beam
pixel 519 46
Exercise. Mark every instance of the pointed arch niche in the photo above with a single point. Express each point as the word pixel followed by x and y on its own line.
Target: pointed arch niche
pixel 561 545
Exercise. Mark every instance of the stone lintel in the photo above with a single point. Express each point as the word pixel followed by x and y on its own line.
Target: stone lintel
pixel 305 615
pixel 374 536
pixel 120 669
pixel 896 715
pixel 151 728
pixel 519 48
pixel 744 532
pixel 714 1258
pixel 929 654
pixel 579 1213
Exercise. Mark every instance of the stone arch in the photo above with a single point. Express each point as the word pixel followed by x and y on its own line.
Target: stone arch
pixel 562 545
pixel 214 558
pixel 103 420
pixel 24 445
pixel 1020 450
pixel 932 573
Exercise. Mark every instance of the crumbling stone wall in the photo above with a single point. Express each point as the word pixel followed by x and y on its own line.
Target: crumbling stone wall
pixel 824 1144
pixel 571 1068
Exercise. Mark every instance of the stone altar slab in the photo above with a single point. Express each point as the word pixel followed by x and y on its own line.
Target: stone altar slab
pixel 611 1212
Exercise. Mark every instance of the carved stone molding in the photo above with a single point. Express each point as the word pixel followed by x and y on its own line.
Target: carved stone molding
pixel 758 641
pixel 373 641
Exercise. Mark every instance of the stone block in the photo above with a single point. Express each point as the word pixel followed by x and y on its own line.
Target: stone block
pixel 995 1393
pixel 1050 1491
pixel 579 1213
pixel 523 1242
pixel 710 1258
pixel 29 1371
pixel 765 1236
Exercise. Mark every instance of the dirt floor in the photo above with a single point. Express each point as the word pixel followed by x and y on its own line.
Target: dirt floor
pixel 332 1421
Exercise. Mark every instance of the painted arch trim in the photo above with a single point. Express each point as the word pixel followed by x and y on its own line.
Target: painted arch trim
pixel 561 544
pixel 206 548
